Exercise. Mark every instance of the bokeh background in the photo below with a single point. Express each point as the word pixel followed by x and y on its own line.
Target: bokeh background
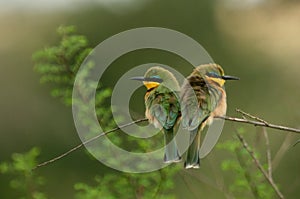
pixel 257 40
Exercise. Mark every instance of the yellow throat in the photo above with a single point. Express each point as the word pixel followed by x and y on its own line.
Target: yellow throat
pixel 220 81
pixel 150 85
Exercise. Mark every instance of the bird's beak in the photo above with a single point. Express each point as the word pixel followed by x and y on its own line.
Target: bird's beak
pixel 227 77
pixel 147 79
pixel 138 78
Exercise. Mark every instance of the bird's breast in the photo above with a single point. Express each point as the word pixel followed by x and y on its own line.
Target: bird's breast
pixel 221 108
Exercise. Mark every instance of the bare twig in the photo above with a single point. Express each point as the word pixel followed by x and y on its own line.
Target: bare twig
pixel 159 186
pixel 248 175
pixel 298 141
pixel 285 146
pixel 269 158
pixel 257 123
pixel 88 141
pixel 260 167
pixel 252 116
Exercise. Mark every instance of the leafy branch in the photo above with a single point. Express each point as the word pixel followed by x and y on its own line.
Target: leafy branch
pixel 25 181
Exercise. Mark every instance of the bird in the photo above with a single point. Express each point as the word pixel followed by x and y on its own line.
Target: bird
pixel 163 107
pixel 202 98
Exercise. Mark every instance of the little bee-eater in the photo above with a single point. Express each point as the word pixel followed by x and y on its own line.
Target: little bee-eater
pixel 202 98
pixel 162 106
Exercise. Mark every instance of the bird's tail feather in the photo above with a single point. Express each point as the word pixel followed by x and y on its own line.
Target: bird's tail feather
pixel 192 159
pixel 171 150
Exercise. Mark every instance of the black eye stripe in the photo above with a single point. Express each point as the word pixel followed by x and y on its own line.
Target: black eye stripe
pixel 213 74
pixel 153 79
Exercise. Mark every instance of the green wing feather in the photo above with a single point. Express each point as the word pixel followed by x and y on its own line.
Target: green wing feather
pixel 164 106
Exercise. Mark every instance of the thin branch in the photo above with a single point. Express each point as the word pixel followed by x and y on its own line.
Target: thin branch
pixel 248 175
pixel 298 141
pixel 269 157
pixel 284 147
pixel 88 141
pixel 252 116
pixel 260 167
pixel 162 178
pixel 257 123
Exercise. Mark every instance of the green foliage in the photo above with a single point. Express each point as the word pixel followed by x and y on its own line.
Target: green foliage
pixel 248 181
pixel 127 186
pixel 59 64
pixel 24 180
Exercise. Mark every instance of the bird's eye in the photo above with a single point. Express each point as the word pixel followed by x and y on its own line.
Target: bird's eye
pixel 212 74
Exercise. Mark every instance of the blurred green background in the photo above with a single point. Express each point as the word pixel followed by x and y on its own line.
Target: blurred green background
pixel 257 40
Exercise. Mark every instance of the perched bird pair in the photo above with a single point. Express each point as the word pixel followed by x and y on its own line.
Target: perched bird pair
pixel 195 104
